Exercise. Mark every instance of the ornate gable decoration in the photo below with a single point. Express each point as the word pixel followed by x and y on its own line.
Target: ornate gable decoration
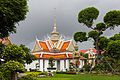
pixel 6 41
pixel 50 46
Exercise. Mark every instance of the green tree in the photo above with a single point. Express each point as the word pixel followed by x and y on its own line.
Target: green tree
pixel 14 53
pixel 51 62
pixel 29 57
pixel 115 37
pixel 5 74
pixel 80 36
pixel 1 76
pixel 110 60
pixel 113 54
pixel 87 17
pixel 103 43
pixel 11 12
pixel 14 67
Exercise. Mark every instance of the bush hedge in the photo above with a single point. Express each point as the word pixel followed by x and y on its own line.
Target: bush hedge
pixel 28 77
pixel 60 72
pixel 33 70
pixel 70 72
pixel 35 74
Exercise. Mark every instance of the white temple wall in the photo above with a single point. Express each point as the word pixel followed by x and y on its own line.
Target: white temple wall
pixel 31 65
pixel 46 65
pixel 55 64
pixel 81 64
pixel 62 65
pixel 67 64
pixel 41 64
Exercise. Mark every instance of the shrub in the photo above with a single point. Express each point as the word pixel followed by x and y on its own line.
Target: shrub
pixel 43 73
pixel 60 72
pixel 35 74
pixel 5 73
pixel 1 76
pixel 70 72
pixel 52 68
pixel 28 77
pixel 33 70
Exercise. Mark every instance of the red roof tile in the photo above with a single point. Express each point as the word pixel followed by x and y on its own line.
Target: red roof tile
pixel 93 50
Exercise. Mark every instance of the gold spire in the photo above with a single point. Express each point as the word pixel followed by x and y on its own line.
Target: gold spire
pixel 54 29
pixel 54 34
pixel 55 19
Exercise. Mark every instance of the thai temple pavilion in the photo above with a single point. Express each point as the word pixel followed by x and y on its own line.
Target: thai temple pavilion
pixel 61 50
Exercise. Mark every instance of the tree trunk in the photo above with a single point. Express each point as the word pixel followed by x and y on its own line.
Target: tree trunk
pixel 14 75
pixel 98 51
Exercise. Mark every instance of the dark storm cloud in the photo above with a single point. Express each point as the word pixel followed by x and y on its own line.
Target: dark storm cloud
pixel 40 19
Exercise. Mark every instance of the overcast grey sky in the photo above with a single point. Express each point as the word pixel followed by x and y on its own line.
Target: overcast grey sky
pixel 40 19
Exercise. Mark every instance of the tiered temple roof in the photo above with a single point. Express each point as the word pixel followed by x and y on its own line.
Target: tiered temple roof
pixel 50 46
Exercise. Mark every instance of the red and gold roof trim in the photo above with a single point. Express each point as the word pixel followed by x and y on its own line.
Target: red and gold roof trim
pixel 58 56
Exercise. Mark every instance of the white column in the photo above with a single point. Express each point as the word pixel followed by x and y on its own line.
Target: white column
pixel 55 64
pixel 83 62
pixel 41 64
pixel 80 64
pixel 67 64
pixel 62 65
pixel 46 64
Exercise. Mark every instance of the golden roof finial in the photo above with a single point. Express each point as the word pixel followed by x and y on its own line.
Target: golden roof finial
pixel 55 19
pixel 54 29
pixel 54 34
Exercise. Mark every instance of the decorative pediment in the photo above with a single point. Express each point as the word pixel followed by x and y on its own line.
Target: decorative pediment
pixel 36 47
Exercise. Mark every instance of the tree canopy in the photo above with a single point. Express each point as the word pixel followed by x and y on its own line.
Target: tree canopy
pixel 14 52
pixel 18 53
pixel 115 37
pixel 29 57
pixel 14 67
pixel 112 54
pixel 87 16
pixel 103 43
pixel 11 12
pixel 80 36
pixel 112 18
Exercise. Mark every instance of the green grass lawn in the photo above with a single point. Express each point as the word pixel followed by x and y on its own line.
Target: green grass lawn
pixel 80 77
